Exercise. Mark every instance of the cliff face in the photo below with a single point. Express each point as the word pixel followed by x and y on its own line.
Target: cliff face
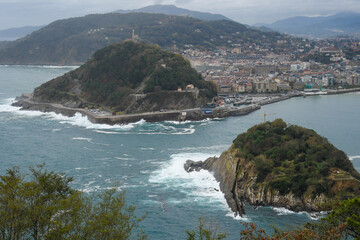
pixel 244 177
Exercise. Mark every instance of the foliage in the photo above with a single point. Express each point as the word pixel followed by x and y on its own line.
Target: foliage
pixel 346 214
pixel 46 207
pixel 205 231
pixel 292 158
pixel 320 57
pixel 343 222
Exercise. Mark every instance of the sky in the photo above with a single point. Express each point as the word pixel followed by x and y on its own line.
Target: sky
pixel 18 13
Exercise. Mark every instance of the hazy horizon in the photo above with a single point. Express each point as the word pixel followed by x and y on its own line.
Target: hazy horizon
pixel 19 13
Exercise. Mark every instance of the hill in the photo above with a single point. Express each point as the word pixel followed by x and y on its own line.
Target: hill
pixel 73 41
pixel 347 23
pixel 129 77
pixel 173 10
pixel 283 166
pixel 15 33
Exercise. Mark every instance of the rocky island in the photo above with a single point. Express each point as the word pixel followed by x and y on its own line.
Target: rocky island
pixel 282 165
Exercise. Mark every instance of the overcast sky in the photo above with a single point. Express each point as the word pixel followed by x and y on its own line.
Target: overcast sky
pixel 17 13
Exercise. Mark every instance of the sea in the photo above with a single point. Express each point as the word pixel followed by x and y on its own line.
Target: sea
pixel 146 159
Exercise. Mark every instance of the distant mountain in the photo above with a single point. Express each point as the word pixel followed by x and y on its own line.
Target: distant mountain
pixel 173 10
pixel 347 23
pixel 72 41
pixel 260 27
pixel 15 33
pixel 3 44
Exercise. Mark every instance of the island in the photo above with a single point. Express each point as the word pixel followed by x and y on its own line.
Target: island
pixel 282 165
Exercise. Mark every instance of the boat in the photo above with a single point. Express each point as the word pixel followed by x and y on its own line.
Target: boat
pixel 314 91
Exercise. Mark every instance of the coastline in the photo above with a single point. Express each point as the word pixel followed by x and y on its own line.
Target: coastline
pixel 26 103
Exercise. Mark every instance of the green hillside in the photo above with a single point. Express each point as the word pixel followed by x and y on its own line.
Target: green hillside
pixel 73 41
pixel 114 74
pixel 293 159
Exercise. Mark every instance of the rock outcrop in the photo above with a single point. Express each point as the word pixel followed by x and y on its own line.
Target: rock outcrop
pixel 242 179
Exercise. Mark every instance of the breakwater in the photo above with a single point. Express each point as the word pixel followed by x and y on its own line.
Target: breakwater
pixel 341 91
pixel 26 103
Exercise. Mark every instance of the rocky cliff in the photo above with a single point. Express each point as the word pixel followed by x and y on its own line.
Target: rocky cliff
pixel 297 177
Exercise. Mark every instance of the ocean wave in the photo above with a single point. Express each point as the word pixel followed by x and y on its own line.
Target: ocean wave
pixel 200 187
pixel 238 217
pixel 125 159
pixel 284 211
pixel 141 127
pixel 82 139
pixel 188 121
pixel 351 158
pixel 77 120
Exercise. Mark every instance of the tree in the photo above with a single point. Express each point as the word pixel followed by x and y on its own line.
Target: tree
pixel 42 205
pixel 205 232
pixel 343 222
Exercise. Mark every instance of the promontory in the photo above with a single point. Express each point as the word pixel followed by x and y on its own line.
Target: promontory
pixel 125 79
pixel 282 165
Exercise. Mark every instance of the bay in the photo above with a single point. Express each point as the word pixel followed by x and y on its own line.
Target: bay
pixel 146 159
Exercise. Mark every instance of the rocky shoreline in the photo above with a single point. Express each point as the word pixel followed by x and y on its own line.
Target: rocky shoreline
pixel 238 186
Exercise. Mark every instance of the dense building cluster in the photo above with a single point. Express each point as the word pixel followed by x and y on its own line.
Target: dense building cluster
pixel 260 68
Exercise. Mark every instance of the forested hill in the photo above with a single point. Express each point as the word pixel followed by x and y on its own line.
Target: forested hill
pixel 114 74
pixel 282 165
pixel 72 41
pixel 293 159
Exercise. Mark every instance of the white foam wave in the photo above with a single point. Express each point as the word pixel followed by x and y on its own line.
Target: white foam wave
pixel 238 217
pixel 82 121
pixel 147 149
pixel 77 120
pixel 80 168
pixel 82 139
pixel 351 158
pixel 106 132
pixel 125 159
pixel 284 211
pixel 200 187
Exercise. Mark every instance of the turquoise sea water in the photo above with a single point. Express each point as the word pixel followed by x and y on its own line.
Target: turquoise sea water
pixel 146 159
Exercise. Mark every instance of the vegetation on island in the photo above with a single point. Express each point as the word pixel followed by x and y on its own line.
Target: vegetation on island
pixel 293 159
pixel 43 205
pixel 115 73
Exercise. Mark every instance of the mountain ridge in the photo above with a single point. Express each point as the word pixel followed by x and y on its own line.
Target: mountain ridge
pixel 344 23
pixel 72 41
pixel 173 10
